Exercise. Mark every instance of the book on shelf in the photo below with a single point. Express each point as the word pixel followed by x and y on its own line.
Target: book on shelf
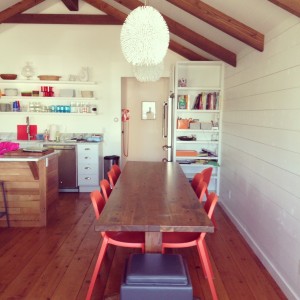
pixel 209 101
pixel 183 102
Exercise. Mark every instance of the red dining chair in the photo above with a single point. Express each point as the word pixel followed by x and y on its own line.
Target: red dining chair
pixel 123 239
pixel 206 177
pixel 201 190
pixel 189 239
pixel 112 178
pixel 105 188
pixel 117 170
pixel 198 177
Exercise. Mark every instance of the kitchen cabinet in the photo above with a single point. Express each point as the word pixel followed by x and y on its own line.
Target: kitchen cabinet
pixel 198 115
pixel 50 104
pixel 89 166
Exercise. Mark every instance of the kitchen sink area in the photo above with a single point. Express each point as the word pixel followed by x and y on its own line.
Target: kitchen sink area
pixel 80 159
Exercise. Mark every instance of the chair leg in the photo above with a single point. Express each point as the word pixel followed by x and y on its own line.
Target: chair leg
pixel 207 266
pixel 209 263
pixel 214 221
pixel 97 268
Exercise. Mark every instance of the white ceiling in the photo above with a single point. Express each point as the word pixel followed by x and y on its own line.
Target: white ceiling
pixel 260 15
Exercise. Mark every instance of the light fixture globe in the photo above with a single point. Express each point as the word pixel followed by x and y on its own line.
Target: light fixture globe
pixel 148 73
pixel 144 36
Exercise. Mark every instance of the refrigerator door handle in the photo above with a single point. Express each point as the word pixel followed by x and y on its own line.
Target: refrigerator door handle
pixel 165 120
pixel 166 147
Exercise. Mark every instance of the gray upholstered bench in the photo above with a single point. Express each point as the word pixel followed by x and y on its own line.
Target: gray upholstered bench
pixel 156 276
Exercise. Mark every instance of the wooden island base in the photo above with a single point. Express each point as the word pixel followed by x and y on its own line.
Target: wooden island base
pixel 31 187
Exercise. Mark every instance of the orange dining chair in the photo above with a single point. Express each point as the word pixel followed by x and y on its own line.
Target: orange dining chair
pixel 201 190
pixel 189 239
pixel 117 170
pixel 123 239
pixel 206 177
pixel 112 178
pixel 105 188
pixel 198 177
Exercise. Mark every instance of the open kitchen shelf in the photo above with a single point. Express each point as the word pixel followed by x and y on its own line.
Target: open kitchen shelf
pixel 45 82
pixel 47 98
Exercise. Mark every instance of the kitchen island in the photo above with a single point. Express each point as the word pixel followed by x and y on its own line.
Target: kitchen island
pixel 31 185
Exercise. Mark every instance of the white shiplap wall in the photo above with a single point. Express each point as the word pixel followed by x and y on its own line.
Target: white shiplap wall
pixel 260 174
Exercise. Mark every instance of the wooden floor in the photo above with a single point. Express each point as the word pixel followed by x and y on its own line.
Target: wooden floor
pixel 56 262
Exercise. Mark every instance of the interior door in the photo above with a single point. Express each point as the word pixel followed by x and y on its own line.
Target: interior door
pixel 145 140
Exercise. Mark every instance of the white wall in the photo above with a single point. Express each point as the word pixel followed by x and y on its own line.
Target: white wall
pixel 260 174
pixel 63 50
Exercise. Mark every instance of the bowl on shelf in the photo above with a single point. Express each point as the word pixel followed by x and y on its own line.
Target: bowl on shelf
pixel 49 77
pixel 186 138
pixel 9 76
pixel 87 94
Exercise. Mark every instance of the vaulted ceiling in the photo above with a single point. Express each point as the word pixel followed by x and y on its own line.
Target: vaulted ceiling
pixel 200 30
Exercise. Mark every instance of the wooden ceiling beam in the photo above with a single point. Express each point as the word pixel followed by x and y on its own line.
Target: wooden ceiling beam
pixel 63 19
pixel 190 36
pixel 18 8
pixel 292 6
pixel 223 22
pixel 72 5
pixel 185 52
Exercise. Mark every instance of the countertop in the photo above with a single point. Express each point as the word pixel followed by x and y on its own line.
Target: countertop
pixel 4 158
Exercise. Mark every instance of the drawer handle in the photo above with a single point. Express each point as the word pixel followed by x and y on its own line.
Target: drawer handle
pixel 88 178
pixel 87 157
pixel 87 168
pixel 87 148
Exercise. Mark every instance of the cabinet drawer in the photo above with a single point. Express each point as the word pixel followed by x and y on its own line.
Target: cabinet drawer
pixel 88 159
pixel 88 179
pixel 87 168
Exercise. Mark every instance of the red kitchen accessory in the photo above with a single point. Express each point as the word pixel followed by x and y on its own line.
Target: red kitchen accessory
pixel 22 132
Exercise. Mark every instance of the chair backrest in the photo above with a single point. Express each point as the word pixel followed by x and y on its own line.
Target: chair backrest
pixel 211 203
pixel 98 202
pixel 105 188
pixel 201 190
pixel 112 178
pixel 207 175
pixel 195 181
pixel 116 169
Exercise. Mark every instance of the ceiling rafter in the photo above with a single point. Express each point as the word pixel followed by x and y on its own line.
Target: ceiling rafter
pixel 292 6
pixel 63 19
pixel 190 36
pixel 185 52
pixel 223 22
pixel 110 10
pixel 18 8
pixel 72 5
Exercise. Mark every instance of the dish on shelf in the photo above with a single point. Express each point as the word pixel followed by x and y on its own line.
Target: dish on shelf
pixel 186 138
pixel 49 77
pixel 26 94
pixel 11 92
pixel 9 76
pixel 186 153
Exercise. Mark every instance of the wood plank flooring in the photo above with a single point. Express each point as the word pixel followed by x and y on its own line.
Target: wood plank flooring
pixel 57 262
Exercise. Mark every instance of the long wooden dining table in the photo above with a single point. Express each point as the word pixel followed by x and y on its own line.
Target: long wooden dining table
pixel 153 197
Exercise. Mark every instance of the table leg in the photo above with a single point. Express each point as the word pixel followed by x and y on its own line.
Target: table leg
pixel 153 241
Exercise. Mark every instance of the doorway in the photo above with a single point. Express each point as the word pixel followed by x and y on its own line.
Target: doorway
pixel 144 135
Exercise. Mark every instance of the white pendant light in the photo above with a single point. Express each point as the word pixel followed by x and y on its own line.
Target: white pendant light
pixel 148 73
pixel 145 37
